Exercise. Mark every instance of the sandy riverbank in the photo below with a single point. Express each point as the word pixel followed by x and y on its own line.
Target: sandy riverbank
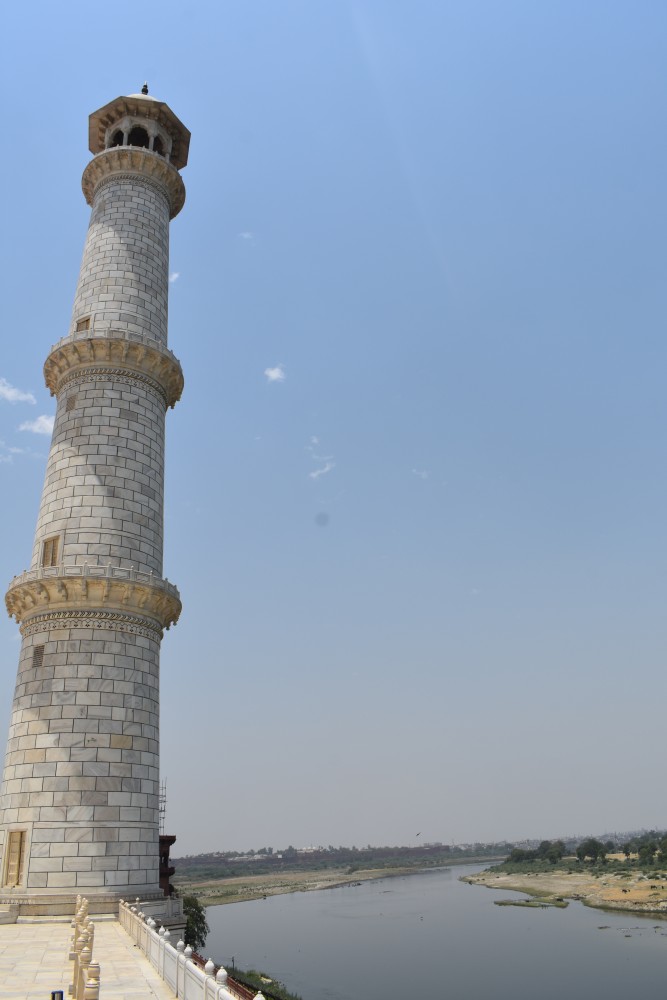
pixel 216 892
pixel 635 892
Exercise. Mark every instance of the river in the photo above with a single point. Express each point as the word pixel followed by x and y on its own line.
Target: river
pixel 431 937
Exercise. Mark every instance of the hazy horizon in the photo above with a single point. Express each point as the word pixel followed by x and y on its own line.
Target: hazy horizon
pixel 416 483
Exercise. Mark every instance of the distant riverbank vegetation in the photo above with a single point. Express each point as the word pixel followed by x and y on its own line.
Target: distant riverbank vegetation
pixel 642 852
pixel 266 860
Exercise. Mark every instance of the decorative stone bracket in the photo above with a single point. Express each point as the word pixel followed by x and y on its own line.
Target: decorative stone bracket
pixel 73 588
pixel 110 352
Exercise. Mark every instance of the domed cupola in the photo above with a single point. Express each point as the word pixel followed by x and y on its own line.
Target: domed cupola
pixel 140 135
pixel 142 122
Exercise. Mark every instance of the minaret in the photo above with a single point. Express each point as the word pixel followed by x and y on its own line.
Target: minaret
pixel 79 801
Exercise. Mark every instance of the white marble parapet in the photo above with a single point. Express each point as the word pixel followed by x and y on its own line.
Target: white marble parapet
pixel 94 571
pixel 97 331
pixel 174 964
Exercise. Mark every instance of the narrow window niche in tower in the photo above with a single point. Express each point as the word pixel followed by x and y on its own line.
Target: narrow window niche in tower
pixel 70 403
pixel 138 137
pixel 15 855
pixel 117 138
pixel 83 324
pixel 37 657
pixel 51 550
pixel 157 146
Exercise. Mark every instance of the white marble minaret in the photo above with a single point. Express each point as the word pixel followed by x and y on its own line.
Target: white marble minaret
pixel 79 801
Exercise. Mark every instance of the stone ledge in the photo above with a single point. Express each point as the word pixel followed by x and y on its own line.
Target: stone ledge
pixel 86 588
pixel 112 352
pixel 132 160
pixel 48 904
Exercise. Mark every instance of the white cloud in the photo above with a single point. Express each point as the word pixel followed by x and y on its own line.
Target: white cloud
pixel 323 471
pixel 313 454
pixel 329 463
pixel 6 458
pixel 43 425
pixel 14 395
pixel 246 235
pixel 174 276
pixel 421 473
pixel 276 374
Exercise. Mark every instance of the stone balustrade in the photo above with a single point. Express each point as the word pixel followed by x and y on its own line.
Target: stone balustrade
pixel 85 983
pixel 174 964
pixel 98 332
pixel 96 571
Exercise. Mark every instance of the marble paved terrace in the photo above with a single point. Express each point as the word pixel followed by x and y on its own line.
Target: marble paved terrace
pixel 34 961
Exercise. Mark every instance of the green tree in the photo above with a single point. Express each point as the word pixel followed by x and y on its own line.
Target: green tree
pixel 592 849
pixel 555 852
pixel 647 852
pixel 196 928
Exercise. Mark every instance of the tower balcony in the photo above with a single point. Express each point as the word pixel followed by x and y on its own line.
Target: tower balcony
pixel 151 166
pixel 106 350
pixel 85 591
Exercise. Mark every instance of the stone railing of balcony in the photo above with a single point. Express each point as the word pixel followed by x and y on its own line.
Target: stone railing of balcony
pixel 95 571
pixel 107 332
pixel 174 964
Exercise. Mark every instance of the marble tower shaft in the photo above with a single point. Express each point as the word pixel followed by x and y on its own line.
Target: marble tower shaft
pixel 79 798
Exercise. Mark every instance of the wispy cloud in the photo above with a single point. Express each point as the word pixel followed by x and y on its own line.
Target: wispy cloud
pixel 42 425
pixel 14 395
pixel 174 276
pixel 246 235
pixel 421 473
pixel 276 374
pixel 313 454
pixel 329 463
pixel 7 452
pixel 327 467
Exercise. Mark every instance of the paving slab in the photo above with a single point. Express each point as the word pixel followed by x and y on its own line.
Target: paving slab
pixel 33 962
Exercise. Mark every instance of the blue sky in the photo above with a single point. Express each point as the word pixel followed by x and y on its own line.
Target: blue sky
pixel 422 560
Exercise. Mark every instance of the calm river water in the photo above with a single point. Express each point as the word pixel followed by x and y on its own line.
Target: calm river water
pixel 431 937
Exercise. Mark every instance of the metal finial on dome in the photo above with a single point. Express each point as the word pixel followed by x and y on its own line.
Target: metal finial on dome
pixel 144 89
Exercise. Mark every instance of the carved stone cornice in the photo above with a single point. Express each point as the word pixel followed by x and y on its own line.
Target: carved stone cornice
pixel 115 621
pixel 89 588
pixel 114 351
pixel 133 161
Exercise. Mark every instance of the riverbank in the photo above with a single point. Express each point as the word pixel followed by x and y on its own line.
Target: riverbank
pixel 637 893
pixel 218 892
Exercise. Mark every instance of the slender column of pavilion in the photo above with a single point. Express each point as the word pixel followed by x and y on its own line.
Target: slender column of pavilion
pixel 79 798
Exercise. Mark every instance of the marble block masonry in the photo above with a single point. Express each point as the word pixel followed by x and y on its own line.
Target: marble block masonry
pixel 79 798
